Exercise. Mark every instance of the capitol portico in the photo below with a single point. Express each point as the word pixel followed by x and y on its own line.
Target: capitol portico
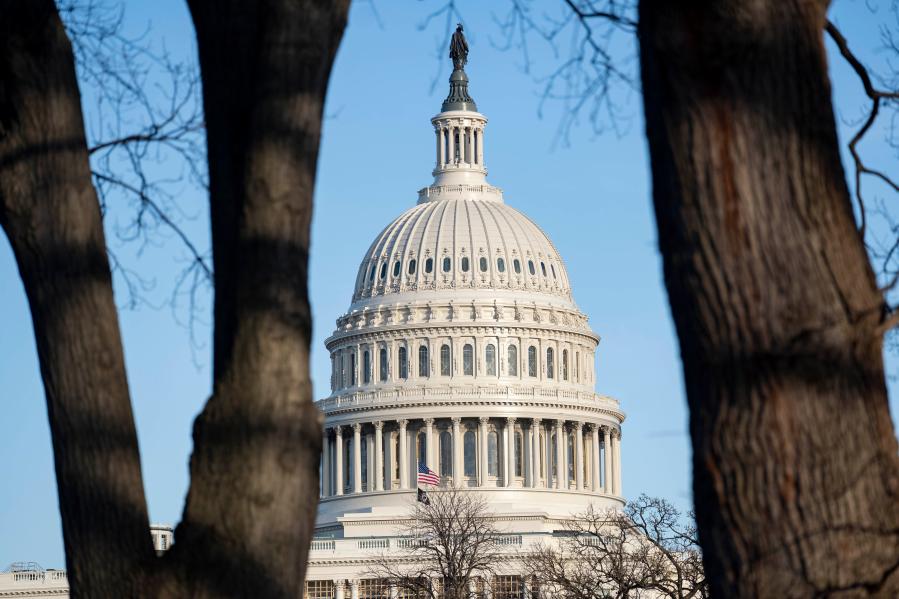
pixel 463 350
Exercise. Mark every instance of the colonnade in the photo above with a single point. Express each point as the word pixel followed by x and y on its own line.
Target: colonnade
pixel 484 452
pixel 459 144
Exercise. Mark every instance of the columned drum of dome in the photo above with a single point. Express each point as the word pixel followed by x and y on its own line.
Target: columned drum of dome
pixel 462 352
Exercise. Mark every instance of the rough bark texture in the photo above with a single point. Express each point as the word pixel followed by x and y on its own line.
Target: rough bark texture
pixel 50 213
pixel 254 488
pixel 251 506
pixel 796 476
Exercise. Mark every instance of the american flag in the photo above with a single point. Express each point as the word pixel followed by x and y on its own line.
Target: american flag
pixel 426 476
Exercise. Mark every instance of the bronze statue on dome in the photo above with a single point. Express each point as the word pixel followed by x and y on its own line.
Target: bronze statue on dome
pixel 459 48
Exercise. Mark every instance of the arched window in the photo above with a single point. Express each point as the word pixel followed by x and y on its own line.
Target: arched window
pixel 429 265
pixel 363 445
pixel 564 364
pixel 382 364
pixel 512 360
pixel 519 454
pixel 500 265
pixel 553 268
pixel 577 366
pixel 469 449
pixel 366 367
pixel 516 264
pixel 348 464
pixel 550 363
pixel 422 448
pixel 353 369
pixel 383 270
pixel 464 263
pixel 447 264
pixel 411 269
pixel 532 361
pixel 371 273
pixel 483 264
pixel 543 268
pixel 467 360
pixel 492 454
pixel 491 359
pixel 531 267
pixel 445 360
pixel 396 268
pixel 423 360
pixel 554 458
pixel 404 363
pixel 570 454
pixel 446 454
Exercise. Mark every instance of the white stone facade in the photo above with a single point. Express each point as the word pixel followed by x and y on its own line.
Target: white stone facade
pixel 462 349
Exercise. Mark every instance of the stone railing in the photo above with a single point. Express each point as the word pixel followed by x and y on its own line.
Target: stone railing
pixel 335 546
pixel 461 191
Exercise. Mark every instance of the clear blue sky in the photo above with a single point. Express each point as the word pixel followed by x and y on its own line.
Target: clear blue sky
pixel 592 198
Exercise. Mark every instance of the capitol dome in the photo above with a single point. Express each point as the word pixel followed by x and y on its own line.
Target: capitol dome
pixel 462 353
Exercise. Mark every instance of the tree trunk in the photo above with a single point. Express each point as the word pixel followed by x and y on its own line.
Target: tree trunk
pixel 796 476
pixel 50 213
pixel 251 509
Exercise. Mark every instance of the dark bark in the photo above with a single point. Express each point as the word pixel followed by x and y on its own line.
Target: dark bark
pixel 49 211
pixel 796 476
pixel 254 489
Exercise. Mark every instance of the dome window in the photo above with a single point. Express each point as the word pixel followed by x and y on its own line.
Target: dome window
pixel 532 361
pixel 446 454
pixel 429 265
pixel 383 270
pixel 423 368
pixel 516 264
pixel 445 360
pixel 464 263
pixel 382 364
pixel 543 268
pixel 553 268
pixel 366 367
pixel 483 264
pixel 550 363
pixel 513 360
pixel 564 364
pixel 411 269
pixel 447 264
pixel 403 363
pixel 396 268
pixel 469 451
pixel 468 360
pixel 371 274
pixel 491 359
pixel 492 454
pixel 500 265
pixel 531 267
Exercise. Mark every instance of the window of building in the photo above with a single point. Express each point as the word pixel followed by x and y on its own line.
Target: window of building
pixel 423 366
pixel 467 360
pixel 373 588
pixel 382 366
pixel 403 363
pixel 577 366
pixel 429 265
pixel 469 450
pixel 422 448
pixel 464 263
pixel 447 264
pixel 446 454
pixel 500 265
pixel 396 268
pixel 543 268
pixel 492 454
pixel 507 587
pixel 570 454
pixel 411 268
pixel 445 360
pixel 318 589
pixel 366 367
pixel 519 454
pixel 512 360
pixel 491 359
pixel 554 457
pixel 531 267
pixel 342 370
pixel 550 363
pixel 371 274
pixel 553 269
pixel 564 364
pixel 353 369
pixel 383 270
pixel 363 445
pixel 347 464
pixel 516 264
pixel 483 264
pixel 532 361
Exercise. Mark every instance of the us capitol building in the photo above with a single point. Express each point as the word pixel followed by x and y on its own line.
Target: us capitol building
pixel 462 349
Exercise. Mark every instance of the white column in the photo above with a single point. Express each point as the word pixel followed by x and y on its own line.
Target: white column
pixel 616 453
pixel 338 589
pixel 326 464
pixel 357 458
pixel 379 456
pixel 338 461
pixel 457 453
pixel 394 592
pixel 560 456
pixel 481 147
pixel 354 589
pixel 429 444
pixel 596 457
pixel 404 456
pixel 439 133
pixel 510 451
pixel 579 455
pixel 535 452
pixel 482 454
pixel 607 462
